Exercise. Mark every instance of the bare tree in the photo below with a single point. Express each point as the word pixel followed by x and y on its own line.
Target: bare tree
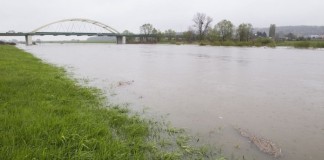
pixel 202 23
pixel 146 29
pixel 170 34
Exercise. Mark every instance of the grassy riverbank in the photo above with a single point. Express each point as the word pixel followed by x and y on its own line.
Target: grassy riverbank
pixel 46 115
pixel 302 44
pixel 267 43
pixel 261 42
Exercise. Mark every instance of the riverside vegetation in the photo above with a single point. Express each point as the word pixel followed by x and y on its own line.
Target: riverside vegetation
pixel 265 42
pixel 224 33
pixel 46 115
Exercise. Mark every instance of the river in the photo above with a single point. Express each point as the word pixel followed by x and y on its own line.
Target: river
pixel 276 93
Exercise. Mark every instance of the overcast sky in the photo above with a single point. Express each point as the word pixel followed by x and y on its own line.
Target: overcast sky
pixel 26 15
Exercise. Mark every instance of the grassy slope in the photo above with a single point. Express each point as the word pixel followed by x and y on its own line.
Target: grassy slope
pixel 43 114
pixel 46 115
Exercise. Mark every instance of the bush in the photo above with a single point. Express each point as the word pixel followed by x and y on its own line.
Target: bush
pixel 228 43
pixel 244 43
pixel 263 42
pixel 319 44
pixel 302 44
pixel 216 43
pixel 203 43
pixel 272 44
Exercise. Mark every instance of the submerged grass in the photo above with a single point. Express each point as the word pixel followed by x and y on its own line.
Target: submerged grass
pixel 46 115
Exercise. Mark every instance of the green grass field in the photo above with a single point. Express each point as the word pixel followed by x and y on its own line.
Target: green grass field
pixel 302 44
pixel 46 115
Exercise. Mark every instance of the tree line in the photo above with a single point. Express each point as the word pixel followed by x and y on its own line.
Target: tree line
pixel 202 30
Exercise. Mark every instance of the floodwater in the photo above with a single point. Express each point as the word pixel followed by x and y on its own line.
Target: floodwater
pixel 277 94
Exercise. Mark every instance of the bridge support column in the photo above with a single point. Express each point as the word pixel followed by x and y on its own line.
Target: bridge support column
pixel 29 40
pixel 121 40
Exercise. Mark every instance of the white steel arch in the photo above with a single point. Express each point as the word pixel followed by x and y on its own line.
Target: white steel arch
pixel 99 24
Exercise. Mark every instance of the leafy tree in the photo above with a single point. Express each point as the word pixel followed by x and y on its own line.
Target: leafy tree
pixel 272 31
pixel 158 34
pixel 261 34
pixel 212 34
pixel 245 31
pixel 170 34
pixel 291 36
pixel 189 35
pixel 127 32
pixel 202 23
pixel 129 39
pixel 225 29
pixel 264 34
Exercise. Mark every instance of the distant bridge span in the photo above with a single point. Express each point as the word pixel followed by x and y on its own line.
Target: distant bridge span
pixel 109 31
pixel 121 38
pixel 99 24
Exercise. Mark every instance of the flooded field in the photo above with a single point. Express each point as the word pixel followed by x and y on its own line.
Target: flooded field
pixel 215 92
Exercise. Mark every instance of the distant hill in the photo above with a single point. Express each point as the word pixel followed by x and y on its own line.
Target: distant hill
pixel 297 30
pixel 102 38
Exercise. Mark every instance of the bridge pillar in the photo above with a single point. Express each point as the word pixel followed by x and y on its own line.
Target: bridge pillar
pixel 29 40
pixel 121 40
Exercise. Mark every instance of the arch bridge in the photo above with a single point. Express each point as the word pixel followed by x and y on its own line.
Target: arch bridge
pixel 106 30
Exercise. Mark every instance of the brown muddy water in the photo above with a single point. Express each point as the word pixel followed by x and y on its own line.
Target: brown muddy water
pixel 277 94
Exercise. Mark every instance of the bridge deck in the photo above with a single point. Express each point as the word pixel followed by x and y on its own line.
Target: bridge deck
pixel 74 34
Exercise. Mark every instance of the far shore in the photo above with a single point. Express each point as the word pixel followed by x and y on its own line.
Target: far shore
pixel 254 43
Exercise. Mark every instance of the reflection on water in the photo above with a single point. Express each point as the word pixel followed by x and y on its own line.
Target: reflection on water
pixel 274 93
